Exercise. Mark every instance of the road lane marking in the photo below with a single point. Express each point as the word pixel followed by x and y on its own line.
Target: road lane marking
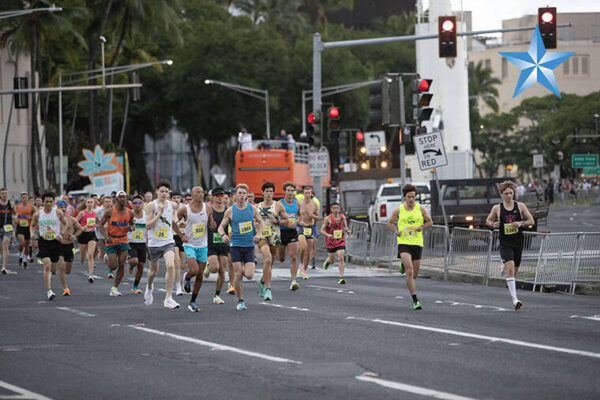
pixel 216 346
pixel 482 337
pixel 412 389
pixel 74 311
pixel 23 394
pixel 282 306
pixel 592 317
pixel 457 303
pixel 338 290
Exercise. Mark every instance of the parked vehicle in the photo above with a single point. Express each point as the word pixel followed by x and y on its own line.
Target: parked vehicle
pixel 389 196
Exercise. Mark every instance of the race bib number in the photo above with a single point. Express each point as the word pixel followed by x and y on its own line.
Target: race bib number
pixel 245 227
pixel 291 220
pixel 49 235
pixel 24 222
pixel 8 228
pixel 267 231
pixel 161 232
pixel 509 229
pixel 138 235
pixel 409 232
pixel 217 238
pixel 307 231
pixel 91 222
pixel 337 234
pixel 199 229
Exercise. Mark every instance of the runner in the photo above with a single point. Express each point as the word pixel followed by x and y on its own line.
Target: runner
pixel 333 228
pixel 509 217
pixel 87 240
pixel 273 215
pixel 289 234
pixel 246 226
pixel 69 232
pixel 218 251
pixel 411 219
pixel 106 204
pixel 198 216
pixel 7 225
pixel 25 212
pixel 119 220
pixel 160 216
pixel 179 251
pixel 309 214
pixel 137 243
pixel 49 219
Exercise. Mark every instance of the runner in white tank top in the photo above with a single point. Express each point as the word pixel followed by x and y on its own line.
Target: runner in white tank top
pixel 137 242
pixel 161 233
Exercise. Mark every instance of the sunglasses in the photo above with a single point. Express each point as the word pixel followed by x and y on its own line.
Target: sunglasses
pixel 137 202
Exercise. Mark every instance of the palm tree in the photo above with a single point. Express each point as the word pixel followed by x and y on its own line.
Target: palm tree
pixel 283 15
pixel 481 86
pixel 322 7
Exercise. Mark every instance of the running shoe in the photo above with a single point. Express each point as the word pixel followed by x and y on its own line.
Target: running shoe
pixel 187 286
pixel 305 274
pixel 268 295
pixel 294 286
pixel 24 264
pixel 148 297
pixel 517 304
pixel 51 295
pixel 66 292
pixel 342 281
pixel 193 307
pixel 417 305
pixel 230 289
pixel 501 269
pixel 261 288
pixel 401 268
pixel 3 271
pixel 326 265
pixel 170 303
pixel 136 290
pixel 206 272
pixel 111 275
pixel 240 305
pixel 178 291
pixel 20 261
pixel 217 299
pixel 311 267
pixel 91 279
pixel 114 292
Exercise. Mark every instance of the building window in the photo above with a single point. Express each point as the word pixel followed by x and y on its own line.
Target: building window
pixel 504 68
pixel 575 65
pixel 488 64
pixel 585 65
pixel 566 67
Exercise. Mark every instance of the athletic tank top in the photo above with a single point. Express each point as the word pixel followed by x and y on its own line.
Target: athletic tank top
pixel 214 238
pixel 407 221
pixel 292 212
pixel 6 216
pixel 269 229
pixel 195 228
pixel 242 226
pixel 162 233
pixel 24 215
pixel 139 229
pixel 335 228
pixel 510 236
pixel 49 224
pixel 118 226
pixel 88 221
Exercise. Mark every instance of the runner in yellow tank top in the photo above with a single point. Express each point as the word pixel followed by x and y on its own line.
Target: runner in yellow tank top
pixel 408 222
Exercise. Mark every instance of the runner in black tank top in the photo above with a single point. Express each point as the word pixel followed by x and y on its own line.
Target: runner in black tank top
pixel 218 252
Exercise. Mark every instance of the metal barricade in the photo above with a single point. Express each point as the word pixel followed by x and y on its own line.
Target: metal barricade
pixel 587 266
pixel 470 251
pixel 557 259
pixel 532 245
pixel 357 241
pixel 383 246
pixel 436 246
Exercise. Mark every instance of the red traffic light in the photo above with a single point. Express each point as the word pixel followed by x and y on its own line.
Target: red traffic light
pixel 360 135
pixel 334 112
pixel 424 85
pixel 311 118
pixel 448 25
pixel 547 17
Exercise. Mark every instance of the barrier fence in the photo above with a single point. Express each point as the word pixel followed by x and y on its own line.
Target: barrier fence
pixel 547 258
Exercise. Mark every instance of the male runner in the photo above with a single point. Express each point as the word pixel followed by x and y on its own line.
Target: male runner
pixel 119 222
pixel 160 217
pixel 88 240
pixel 289 234
pixel 218 251
pixel 25 212
pixel 273 215
pixel 509 217
pixel 198 215
pixel 69 231
pixel 246 226
pixel 411 219
pixel 179 251
pixel 333 228
pixel 309 214
pixel 49 219
pixel 106 204
pixel 137 242
pixel 7 222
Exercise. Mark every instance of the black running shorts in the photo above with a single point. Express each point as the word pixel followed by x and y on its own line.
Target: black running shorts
pixel 414 251
pixel 49 249
pixel 66 252
pixel 511 254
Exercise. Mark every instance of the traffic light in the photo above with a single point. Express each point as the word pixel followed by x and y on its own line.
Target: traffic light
pixel 314 123
pixel 21 99
pixel 421 99
pixel 447 36
pixel 379 103
pixel 333 114
pixel 404 134
pixel 547 25
pixel 396 94
pixel 360 136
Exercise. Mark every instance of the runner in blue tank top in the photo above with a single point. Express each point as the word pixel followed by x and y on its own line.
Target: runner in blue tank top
pixel 289 234
pixel 246 226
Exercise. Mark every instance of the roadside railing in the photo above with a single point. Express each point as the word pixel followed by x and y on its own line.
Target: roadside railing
pixel 357 243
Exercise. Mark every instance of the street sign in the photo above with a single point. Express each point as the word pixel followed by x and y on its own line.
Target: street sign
pixel 584 160
pixel 591 171
pixel 219 178
pixel 373 141
pixel 430 150
pixel 538 161
pixel 317 163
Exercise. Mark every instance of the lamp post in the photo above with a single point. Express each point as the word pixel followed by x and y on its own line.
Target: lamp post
pixel 256 93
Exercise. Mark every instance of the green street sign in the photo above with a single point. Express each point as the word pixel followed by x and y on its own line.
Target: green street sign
pixel 584 160
pixel 591 171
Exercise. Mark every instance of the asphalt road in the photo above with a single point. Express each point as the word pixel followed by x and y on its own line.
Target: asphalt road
pixel 569 218
pixel 361 340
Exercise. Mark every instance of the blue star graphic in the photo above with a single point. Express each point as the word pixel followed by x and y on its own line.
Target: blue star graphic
pixel 536 65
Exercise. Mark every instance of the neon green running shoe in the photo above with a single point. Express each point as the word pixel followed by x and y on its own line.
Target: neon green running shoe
pixel 217 299
pixel 206 272
pixel 417 305
pixel 342 281
pixel 326 265
pixel 401 268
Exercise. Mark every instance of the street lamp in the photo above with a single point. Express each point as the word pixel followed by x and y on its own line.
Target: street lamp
pixel 256 93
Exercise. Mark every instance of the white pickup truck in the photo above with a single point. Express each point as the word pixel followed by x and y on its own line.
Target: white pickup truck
pixel 389 196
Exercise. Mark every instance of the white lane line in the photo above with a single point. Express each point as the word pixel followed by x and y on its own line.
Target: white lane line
pixel 412 389
pixel 588 224
pixel 456 303
pixel 74 311
pixel 331 288
pixel 22 393
pixel 216 346
pixel 281 306
pixel 482 337
pixel 592 317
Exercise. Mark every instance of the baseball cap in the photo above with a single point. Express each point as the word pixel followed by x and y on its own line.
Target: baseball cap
pixel 175 193
pixel 121 193
pixel 62 203
pixel 218 190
